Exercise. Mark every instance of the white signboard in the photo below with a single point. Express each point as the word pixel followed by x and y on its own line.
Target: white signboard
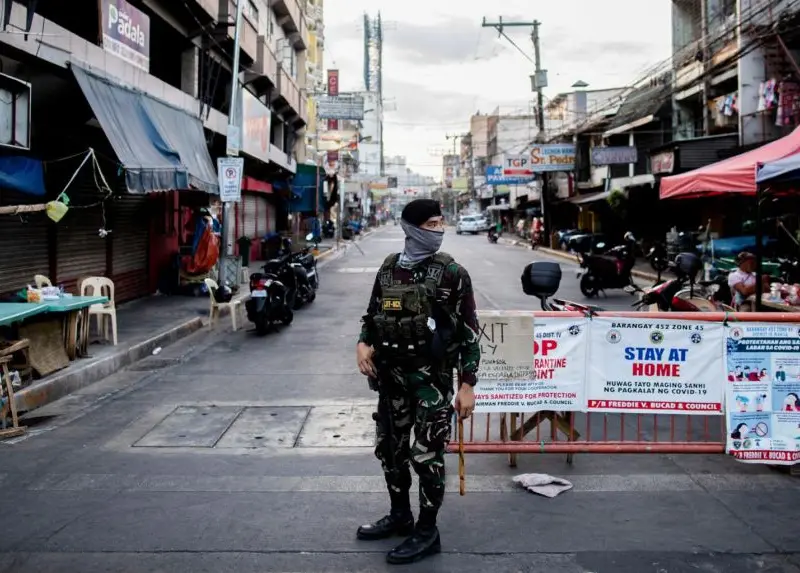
pixel 527 368
pixel 763 392
pixel 552 157
pixel 647 366
pixel 517 166
pixel 229 173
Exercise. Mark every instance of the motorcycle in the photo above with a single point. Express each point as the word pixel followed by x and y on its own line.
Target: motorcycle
pixel 306 275
pixel 536 240
pixel 611 269
pixel 542 279
pixel 328 229
pixel 271 296
pixel 657 257
pixel 675 296
pixel 492 236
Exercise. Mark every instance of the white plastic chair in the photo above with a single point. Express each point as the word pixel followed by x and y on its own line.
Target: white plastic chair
pixel 41 281
pixel 214 311
pixel 102 286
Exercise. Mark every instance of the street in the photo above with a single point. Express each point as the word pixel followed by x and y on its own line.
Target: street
pixel 232 452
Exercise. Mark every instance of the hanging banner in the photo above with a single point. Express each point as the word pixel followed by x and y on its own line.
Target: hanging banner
pixel 644 365
pixel 763 392
pixel 527 367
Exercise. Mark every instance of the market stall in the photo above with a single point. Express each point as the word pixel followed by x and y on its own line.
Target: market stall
pixel 740 175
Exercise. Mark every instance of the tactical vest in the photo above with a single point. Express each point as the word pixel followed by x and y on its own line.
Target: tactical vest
pixel 405 324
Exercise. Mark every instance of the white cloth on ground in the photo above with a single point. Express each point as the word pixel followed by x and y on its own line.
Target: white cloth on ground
pixel 543 484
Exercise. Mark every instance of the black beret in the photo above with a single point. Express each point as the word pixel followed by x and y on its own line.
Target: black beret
pixel 420 210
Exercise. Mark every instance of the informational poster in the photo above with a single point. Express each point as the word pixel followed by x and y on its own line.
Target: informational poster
pixel 645 365
pixel 527 367
pixel 763 392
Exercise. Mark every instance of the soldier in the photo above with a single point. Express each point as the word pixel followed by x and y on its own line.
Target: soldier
pixel 420 325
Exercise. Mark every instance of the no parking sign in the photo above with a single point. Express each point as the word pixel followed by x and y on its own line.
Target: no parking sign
pixel 229 172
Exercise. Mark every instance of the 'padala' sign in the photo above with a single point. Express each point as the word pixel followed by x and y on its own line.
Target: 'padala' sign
pixel 126 33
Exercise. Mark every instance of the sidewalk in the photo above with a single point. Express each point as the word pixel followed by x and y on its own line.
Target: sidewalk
pixel 641 269
pixel 143 325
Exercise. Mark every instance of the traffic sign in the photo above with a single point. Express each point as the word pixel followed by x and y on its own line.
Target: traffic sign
pixel 229 172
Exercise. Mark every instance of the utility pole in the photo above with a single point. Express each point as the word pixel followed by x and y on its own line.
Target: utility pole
pixel 455 138
pixel 538 81
pixel 233 141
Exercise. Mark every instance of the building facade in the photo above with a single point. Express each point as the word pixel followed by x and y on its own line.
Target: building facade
pixel 146 85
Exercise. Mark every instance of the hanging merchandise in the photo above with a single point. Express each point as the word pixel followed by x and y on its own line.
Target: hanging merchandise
pixel 767 96
pixel 788 102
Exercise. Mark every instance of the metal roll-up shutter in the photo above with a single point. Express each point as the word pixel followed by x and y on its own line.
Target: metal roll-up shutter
pixel 248 228
pixel 81 252
pixel 266 215
pixel 130 244
pixel 23 244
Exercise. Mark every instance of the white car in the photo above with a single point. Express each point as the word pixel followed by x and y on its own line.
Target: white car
pixel 471 224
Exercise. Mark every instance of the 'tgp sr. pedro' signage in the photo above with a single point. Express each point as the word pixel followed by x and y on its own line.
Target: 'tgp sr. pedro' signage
pixel 517 166
pixel 126 33
pixel 552 157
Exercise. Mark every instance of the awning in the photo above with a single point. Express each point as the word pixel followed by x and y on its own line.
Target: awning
pixel 160 146
pixel 736 174
pixel 307 182
pixel 590 198
pixel 786 170
pixel 255 185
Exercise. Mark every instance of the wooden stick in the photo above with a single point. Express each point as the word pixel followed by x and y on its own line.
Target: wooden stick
pixel 462 474
pixel 17 209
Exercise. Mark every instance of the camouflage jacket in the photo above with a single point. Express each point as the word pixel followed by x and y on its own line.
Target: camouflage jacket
pixel 459 302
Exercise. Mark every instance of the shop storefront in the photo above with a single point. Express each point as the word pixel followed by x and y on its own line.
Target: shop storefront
pixel 255 217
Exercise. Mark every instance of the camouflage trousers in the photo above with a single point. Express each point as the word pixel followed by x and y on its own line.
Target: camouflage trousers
pixel 419 398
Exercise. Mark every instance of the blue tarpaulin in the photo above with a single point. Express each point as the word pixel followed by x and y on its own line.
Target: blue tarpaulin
pixel 784 170
pixel 22 174
pixel 161 147
pixel 308 180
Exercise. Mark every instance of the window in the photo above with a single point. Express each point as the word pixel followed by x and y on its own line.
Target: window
pixel 251 12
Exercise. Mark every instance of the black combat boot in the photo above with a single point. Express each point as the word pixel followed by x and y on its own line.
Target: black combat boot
pixel 423 542
pixel 400 520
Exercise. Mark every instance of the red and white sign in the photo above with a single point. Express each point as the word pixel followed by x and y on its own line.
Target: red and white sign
pixel 527 367
pixel 648 366
pixel 517 165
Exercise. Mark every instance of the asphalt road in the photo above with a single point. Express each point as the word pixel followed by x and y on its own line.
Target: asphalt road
pixel 232 452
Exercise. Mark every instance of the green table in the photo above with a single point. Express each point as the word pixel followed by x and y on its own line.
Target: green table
pixel 11 312
pixel 73 303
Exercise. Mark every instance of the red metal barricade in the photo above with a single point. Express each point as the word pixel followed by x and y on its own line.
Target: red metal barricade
pixel 604 433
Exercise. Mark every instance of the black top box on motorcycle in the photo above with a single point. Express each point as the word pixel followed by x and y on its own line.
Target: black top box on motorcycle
pixel 688 265
pixel 541 279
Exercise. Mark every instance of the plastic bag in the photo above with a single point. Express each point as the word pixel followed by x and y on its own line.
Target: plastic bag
pixel 206 255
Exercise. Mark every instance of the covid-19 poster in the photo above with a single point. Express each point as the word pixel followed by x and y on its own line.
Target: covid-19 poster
pixel 531 366
pixel 763 392
pixel 649 366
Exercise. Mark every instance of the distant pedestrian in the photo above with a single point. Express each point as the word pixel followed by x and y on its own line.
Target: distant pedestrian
pixel 420 324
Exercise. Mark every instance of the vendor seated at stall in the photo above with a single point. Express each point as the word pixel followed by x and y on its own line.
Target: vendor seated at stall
pixel 743 281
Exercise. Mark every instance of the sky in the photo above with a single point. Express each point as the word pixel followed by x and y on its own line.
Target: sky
pixel 440 66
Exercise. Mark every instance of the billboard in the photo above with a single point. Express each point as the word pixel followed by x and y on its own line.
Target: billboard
pixel 552 157
pixel 126 33
pixel 494 176
pixel 614 155
pixel 340 107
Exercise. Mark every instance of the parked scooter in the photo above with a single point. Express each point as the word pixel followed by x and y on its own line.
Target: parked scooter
pixel 683 294
pixel 610 270
pixel 492 235
pixel 657 257
pixel 542 279
pixel 306 275
pixel 271 295
pixel 328 229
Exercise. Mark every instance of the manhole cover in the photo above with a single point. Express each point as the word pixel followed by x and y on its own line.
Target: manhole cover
pixel 154 364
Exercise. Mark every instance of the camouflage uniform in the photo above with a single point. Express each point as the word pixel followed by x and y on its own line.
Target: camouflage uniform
pixel 420 392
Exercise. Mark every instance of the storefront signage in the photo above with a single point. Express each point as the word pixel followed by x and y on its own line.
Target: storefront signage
pixel 614 155
pixel 663 162
pixel 256 125
pixel 229 173
pixel 340 107
pixel 517 166
pixel 126 33
pixel 494 176
pixel 552 157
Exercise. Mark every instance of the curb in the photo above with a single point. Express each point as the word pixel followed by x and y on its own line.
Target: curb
pixel 64 383
pixel 570 257
pixel 335 248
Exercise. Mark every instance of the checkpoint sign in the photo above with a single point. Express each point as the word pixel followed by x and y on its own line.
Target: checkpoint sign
pixel 229 172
